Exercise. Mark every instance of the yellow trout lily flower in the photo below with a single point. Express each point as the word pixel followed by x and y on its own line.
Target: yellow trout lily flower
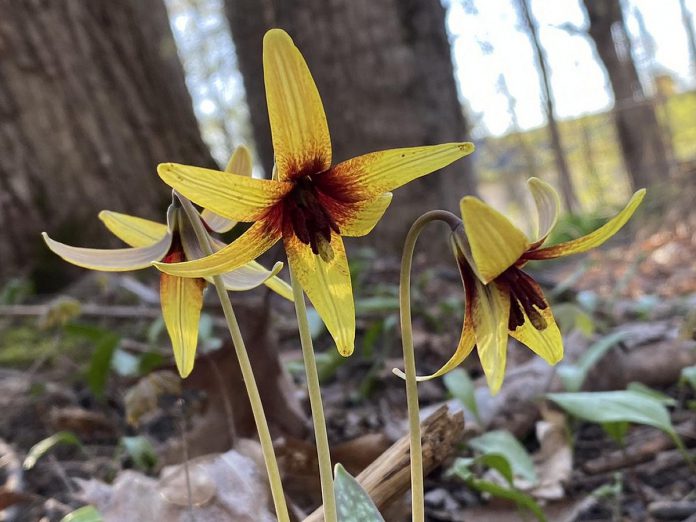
pixel 502 299
pixel 181 298
pixel 309 203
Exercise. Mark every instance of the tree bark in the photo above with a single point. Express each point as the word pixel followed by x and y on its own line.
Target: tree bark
pixel 565 181
pixel 92 97
pixel 687 20
pixel 384 70
pixel 645 153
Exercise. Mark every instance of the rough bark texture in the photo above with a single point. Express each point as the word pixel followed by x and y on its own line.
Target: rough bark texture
pixel 92 97
pixel 564 178
pixel 643 149
pixel 384 70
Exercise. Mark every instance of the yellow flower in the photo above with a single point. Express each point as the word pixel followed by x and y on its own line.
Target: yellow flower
pixel 502 299
pixel 310 204
pixel 181 298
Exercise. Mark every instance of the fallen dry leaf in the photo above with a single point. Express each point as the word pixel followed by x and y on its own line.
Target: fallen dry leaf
pixel 224 488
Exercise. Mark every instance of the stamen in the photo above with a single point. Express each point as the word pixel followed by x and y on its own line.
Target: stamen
pixel 525 298
pixel 311 222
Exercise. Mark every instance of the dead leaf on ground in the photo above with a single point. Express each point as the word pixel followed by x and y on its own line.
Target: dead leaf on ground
pixel 224 488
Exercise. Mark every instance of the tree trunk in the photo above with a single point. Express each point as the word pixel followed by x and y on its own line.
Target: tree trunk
pixel 564 177
pixel 687 20
pixel 384 70
pixel 92 97
pixel 643 149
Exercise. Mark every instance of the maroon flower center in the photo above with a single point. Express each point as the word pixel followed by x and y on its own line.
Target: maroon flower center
pixel 525 295
pixel 176 250
pixel 309 218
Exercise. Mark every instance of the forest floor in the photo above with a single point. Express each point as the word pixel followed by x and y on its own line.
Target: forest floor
pixel 86 374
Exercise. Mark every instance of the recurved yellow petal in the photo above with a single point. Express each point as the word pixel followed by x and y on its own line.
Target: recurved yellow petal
pixel 368 176
pixel 548 206
pixel 111 260
pixel 490 313
pixel 546 343
pixel 229 195
pixel 254 274
pixel 358 219
pixel 182 300
pixel 328 286
pixel 260 237
pixel 494 244
pixel 132 230
pixel 594 239
pixel 239 164
pixel 298 124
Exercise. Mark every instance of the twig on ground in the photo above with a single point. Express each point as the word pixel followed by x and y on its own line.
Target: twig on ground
pixel 389 477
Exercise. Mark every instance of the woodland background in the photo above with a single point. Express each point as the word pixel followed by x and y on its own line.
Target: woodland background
pixel 93 95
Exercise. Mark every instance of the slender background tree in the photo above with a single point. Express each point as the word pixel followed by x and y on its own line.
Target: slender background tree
pixel 565 180
pixel 643 147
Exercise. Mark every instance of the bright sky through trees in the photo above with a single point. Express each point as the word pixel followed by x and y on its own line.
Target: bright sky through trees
pixel 489 41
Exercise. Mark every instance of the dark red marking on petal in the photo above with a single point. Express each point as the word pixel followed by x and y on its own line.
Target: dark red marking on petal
pixel 307 167
pixel 338 183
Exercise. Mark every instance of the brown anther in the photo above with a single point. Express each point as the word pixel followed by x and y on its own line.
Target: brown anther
pixel 310 221
pixel 525 296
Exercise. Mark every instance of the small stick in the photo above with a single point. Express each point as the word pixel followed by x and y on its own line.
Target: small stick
pixel 389 476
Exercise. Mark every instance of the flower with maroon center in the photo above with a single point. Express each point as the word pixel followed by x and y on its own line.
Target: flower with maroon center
pixel 501 298
pixel 309 203
pixel 181 298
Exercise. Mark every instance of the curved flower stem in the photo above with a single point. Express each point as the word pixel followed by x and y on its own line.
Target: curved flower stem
pixel 247 372
pixel 417 492
pixel 320 435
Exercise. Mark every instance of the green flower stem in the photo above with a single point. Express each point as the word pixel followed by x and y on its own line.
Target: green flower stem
pixel 320 435
pixel 417 490
pixel 269 457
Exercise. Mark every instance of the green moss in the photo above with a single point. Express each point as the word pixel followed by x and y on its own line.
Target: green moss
pixel 21 346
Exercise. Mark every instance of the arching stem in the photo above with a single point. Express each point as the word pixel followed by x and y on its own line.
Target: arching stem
pixel 417 491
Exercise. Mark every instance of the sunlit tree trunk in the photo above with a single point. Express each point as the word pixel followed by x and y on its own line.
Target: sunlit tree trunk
pixel 92 97
pixel 643 147
pixel 384 70
pixel 565 181
pixel 687 20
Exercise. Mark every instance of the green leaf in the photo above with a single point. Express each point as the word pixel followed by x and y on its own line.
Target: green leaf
pixel 639 387
pixel 503 443
pixel 570 316
pixel 616 430
pixel 688 375
pixel 573 375
pixel 616 406
pixel 83 514
pixel 352 502
pixel 140 451
pixel 498 463
pixel 100 364
pixel 462 469
pixel 42 447
pixel 106 343
pixel 461 387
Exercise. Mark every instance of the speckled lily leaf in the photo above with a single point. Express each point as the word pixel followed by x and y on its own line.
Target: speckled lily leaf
pixel 352 502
